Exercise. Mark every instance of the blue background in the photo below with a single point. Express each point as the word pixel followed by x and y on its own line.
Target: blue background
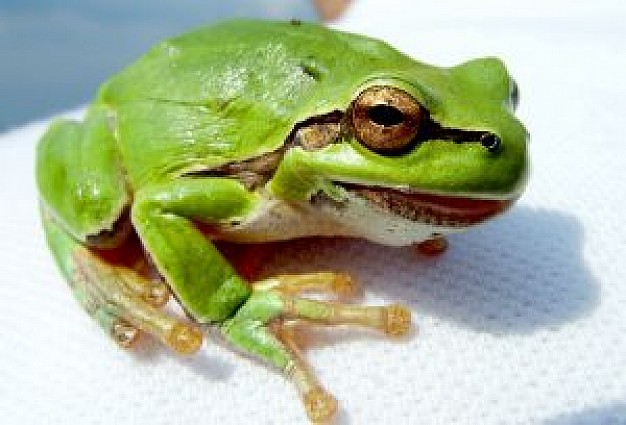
pixel 55 53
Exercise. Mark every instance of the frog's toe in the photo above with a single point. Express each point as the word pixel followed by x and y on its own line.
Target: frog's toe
pixel 320 406
pixel 398 320
pixel 124 304
pixel 183 338
pixel 431 247
pixel 125 329
pixel 393 320
pixel 124 334
pixel 155 293
pixel 339 284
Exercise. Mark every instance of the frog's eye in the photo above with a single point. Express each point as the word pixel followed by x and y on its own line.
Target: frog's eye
pixel 386 119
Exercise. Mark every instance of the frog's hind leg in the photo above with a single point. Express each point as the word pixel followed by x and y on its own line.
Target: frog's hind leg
pixel 262 327
pixel 121 300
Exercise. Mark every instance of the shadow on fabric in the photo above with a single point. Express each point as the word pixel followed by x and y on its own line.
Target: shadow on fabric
pixel 522 272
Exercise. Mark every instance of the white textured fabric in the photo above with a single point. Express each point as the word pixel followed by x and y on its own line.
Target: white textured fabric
pixel 522 321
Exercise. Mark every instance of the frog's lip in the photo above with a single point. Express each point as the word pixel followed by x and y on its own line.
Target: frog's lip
pixel 433 209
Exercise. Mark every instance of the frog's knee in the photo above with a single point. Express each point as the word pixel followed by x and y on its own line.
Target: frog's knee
pixel 78 175
pixel 261 307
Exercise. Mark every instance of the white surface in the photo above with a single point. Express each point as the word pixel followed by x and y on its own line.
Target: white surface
pixel 522 321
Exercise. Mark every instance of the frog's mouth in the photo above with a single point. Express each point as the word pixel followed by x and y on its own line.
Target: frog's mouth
pixel 432 209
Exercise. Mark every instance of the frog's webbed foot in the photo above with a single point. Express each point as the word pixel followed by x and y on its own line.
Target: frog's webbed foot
pixel 431 247
pixel 125 303
pixel 264 326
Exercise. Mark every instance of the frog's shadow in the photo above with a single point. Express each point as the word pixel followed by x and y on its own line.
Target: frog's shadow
pixel 609 414
pixel 520 273
pixel 514 275
pixel 204 363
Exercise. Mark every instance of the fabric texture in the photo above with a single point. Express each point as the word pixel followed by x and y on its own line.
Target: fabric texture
pixel 521 321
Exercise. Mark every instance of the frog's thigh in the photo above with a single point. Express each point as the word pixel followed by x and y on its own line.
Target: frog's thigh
pixel 164 214
pixel 79 179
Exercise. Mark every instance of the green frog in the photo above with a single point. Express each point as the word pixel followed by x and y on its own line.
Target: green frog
pixel 254 131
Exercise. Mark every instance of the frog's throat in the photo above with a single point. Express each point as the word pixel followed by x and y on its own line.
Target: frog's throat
pixel 437 210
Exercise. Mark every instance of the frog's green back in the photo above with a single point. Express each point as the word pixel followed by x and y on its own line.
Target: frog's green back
pixel 233 91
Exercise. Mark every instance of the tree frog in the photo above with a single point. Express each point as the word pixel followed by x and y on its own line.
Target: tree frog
pixel 254 131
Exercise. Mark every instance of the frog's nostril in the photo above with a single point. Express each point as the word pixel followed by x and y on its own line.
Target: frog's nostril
pixel 491 141
pixel 513 94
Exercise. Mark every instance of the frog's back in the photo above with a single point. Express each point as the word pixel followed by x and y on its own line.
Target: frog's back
pixel 230 92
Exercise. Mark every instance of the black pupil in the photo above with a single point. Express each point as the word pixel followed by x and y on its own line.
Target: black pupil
pixel 385 115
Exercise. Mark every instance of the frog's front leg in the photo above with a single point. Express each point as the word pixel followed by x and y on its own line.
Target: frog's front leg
pixel 252 316
pixel 263 325
pixel 165 217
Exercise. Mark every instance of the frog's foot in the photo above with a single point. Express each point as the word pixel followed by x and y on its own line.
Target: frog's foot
pixel 431 247
pixel 264 326
pixel 125 303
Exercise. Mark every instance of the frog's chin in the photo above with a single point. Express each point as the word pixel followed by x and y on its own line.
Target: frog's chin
pixel 432 209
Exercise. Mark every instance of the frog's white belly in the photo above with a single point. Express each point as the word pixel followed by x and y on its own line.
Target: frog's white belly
pixel 278 220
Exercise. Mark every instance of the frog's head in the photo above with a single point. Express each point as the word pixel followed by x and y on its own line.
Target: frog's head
pixel 438 146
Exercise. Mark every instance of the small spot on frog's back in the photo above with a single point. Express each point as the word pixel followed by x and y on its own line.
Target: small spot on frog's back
pixel 311 67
